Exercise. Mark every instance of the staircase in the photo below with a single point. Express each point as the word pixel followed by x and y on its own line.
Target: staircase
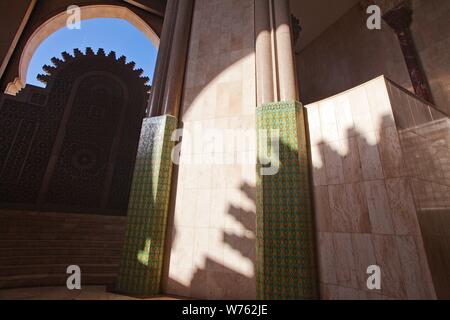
pixel 37 247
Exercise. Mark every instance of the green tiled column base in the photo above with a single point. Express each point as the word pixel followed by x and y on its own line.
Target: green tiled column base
pixel 142 257
pixel 286 262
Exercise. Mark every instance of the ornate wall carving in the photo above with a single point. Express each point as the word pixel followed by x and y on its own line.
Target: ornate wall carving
pixel 72 145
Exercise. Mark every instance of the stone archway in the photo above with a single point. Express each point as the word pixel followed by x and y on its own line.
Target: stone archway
pixel 59 21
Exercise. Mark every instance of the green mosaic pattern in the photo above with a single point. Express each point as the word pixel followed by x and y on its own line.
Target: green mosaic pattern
pixel 142 257
pixel 286 262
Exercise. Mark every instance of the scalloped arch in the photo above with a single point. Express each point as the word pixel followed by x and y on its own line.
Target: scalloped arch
pixel 78 55
pixel 59 21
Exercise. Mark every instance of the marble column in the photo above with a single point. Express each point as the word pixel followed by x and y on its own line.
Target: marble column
pixel 264 58
pixel 285 248
pixel 5 55
pixel 162 61
pixel 178 58
pixel 399 19
pixel 143 252
pixel 285 53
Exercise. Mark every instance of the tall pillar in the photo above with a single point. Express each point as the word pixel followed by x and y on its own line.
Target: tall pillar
pixel 143 254
pixel 264 58
pixel 286 263
pixel 178 57
pixel 285 53
pixel 6 53
pixel 162 62
pixel 399 19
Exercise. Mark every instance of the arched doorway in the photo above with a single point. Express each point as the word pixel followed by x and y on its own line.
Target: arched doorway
pixel 52 239
pixel 59 21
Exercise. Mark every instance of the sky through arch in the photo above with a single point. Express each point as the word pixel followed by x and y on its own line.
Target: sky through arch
pixel 111 34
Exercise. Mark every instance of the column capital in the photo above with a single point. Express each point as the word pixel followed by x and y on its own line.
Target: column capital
pixel 399 18
pixel 296 28
pixel 398 15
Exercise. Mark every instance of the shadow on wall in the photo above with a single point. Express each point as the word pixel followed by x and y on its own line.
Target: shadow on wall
pixel 215 280
pixel 367 205
pixel 211 255
pixel 358 227
pixel 224 266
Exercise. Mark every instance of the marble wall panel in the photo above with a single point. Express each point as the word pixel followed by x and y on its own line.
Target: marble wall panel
pixel 360 159
pixel 213 240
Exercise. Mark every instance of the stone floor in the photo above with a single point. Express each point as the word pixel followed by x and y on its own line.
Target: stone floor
pixel 62 293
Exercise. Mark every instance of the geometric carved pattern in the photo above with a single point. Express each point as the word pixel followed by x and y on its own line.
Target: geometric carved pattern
pixel 142 257
pixel 72 145
pixel 286 263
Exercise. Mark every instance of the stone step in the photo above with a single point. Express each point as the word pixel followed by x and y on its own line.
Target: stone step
pixel 37 247
pixel 62 228
pixel 38 280
pixel 52 222
pixel 93 236
pixel 56 243
pixel 67 260
pixel 17 215
pixel 59 251
pixel 7 271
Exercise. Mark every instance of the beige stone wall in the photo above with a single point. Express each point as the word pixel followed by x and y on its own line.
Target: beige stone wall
pixel 364 204
pixel 348 54
pixel 212 246
pixel 425 139
pixel 431 30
